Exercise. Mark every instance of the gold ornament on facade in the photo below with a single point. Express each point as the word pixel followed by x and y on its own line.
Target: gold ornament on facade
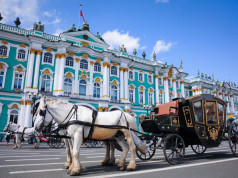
pixel 49 49
pixel 181 82
pixel 47 72
pixel 38 52
pixel 57 55
pixel 63 55
pixel 170 93
pixel 83 77
pixel 115 64
pixel 4 42
pixel 22 45
pixel 150 72
pixel 156 76
pixel 231 95
pixel 131 68
pixel 71 53
pixel 29 102
pixel 141 88
pixel 125 69
pixel 166 78
pixel 85 56
pixel 69 75
pixel 91 63
pixel 86 44
pixel 141 70
pixel 151 90
pixel 19 69
pixel 2 66
pixel 114 82
pixel 161 91
pixel 98 80
pixel 121 68
pixel 132 87
pixel 22 102
pixel 174 80
pixel 77 60
pixel 32 51
pixel 127 110
pixel 106 64
pixel 220 93
pixel 98 60
pixel 226 94
pixel 170 72
pixel 15 106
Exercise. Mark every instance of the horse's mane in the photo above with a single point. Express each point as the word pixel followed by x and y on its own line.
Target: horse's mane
pixel 50 101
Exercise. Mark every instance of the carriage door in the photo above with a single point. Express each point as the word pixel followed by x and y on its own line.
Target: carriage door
pixel 200 126
pixel 211 120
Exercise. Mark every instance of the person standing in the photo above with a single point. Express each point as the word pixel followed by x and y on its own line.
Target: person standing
pixel 8 136
pixel 1 136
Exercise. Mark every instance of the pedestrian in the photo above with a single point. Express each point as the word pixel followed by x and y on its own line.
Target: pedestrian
pixel 7 137
pixel 1 136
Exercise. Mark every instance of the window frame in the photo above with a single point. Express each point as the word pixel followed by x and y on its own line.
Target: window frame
pixel 43 56
pixel 98 65
pixel 84 64
pixel 133 75
pixel 202 111
pixel 142 74
pixel 95 88
pixel 150 75
pixel 111 91
pixel 68 93
pixel 116 69
pixel 68 66
pixel 50 79
pixel 7 52
pixel 161 78
pixel 83 85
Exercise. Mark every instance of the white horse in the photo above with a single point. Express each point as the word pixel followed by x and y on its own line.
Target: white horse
pixel 63 113
pixel 28 133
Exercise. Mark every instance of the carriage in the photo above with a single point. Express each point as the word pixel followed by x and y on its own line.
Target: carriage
pixel 198 122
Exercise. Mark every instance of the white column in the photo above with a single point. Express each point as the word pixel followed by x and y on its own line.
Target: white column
pixel 61 74
pixel 108 80
pixel 232 104
pixel 126 84
pixel 228 104
pixel 1 105
pixel 56 76
pixel 166 89
pixel 121 84
pixel 30 69
pixel 105 80
pixel 220 95
pixel 157 90
pixel 182 89
pixel 174 87
pixel 28 116
pixel 76 74
pixel 22 113
pixel 91 79
pixel 37 68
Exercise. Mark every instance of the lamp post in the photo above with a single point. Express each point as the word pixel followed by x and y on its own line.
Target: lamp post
pixel 148 107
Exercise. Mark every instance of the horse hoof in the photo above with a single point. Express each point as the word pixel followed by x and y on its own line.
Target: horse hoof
pixel 121 168
pixel 129 169
pixel 68 171
pixel 72 173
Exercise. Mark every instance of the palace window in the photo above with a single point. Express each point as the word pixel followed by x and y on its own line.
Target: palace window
pixel 83 64
pixel 186 93
pixel 131 76
pixel 97 67
pixel 169 82
pixel 114 93
pixel 113 70
pixel 170 97
pixel 2 75
pixel 131 96
pixel 48 58
pixel 14 116
pixel 82 87
pixel 141 97
pixel 67 86
pixel 141 77
pixel 160 81
pixel 18 79
pixel 149 79
pixel 177 84
pixel 3 51
pixel 21 54
pixel 69 61
pixel 45 83
pixel 96 90
pixel 161 98
pixel 151 98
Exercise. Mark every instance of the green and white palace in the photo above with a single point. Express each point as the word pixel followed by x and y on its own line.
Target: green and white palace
pixel 78 66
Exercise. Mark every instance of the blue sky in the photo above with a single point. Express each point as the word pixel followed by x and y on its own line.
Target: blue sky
pixel 203 33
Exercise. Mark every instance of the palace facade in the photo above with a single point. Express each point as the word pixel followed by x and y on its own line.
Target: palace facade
pixel 78 66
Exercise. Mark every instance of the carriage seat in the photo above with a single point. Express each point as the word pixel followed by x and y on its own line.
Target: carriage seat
pixel 170 108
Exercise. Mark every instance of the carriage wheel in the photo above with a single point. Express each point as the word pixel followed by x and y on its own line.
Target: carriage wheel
pixel 233 138
pixel 150 153
pixel 174 149
pixel 199 149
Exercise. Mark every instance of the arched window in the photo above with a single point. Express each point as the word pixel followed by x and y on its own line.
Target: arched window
pixel 45 83
pixel 67 86
pixel 131 75
pixel 170 97
pixel 97 67
pixel 14 116
pixel 149 79
pixel 161 98
pixel 83 64
pixel 141 97
pixel 151 96
pixel 21 54
pixel 1 77
pixel 114 93
pixel 160 81
pixel 3 51
pixel 169 82
pixel 113 70
pixel 18 78
pixel 48 58
pixel 82 87
pixel 131 96
pixel 96 90
pixel 177 84
pixel 140 77
pixel 69 61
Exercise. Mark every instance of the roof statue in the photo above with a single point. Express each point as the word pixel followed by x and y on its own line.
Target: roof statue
pixel 198 73
pixel 154 56
pixel 72 29
pixel 165 65
pixel 202 75
pixel 143 54
pixel 134 52
pixel 85 26
pixel 123 49
pixel 213 78
pixel 1 17
pixel 17 22
pixel 38 27
pixel 181 64
pixel 99 36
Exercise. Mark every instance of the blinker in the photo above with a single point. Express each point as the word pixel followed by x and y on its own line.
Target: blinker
pixel 42 112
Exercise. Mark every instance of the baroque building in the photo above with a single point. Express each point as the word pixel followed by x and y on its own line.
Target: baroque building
pixel 78 66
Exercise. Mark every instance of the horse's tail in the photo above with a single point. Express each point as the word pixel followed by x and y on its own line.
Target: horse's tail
pixel 141 146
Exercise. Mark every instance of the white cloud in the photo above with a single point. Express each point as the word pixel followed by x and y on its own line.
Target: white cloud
pixel 161 46
pixel 58 31
pixel 116 39
pixel 49 13
pixel 56 21
pixel 163 1
pixel 26 10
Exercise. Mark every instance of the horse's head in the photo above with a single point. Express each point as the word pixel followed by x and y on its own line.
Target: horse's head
pixel 40 116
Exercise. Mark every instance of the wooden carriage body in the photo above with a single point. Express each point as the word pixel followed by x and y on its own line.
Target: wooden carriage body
pixel 199 120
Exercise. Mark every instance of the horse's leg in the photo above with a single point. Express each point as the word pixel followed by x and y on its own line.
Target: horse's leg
pixel 106 158
pixel 37 143
pixel 18 142
pixel 112 156
pixel 68 153
pixel 77 168
pixel 70 141
pixel 125 148
pixel 132 163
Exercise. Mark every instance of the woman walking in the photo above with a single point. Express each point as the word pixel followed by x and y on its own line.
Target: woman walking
pixel 8 136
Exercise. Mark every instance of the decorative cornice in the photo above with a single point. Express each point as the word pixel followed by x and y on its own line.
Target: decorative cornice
pixel 99 60
pixel 77 60
pixel 156 76
pixel 32 50
pixel 86 44
pixel 85 56
pixel 69 75
pixel 22 45
pixel 49 49
pixel 4 42
pixel 131 68
pixel 121 68
pixel 46 72
pixel 106 64
pixel 38 52
pixel 115 64
pixel 174 80
pixel 125 69
pixel 91 63
pixel 71 54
